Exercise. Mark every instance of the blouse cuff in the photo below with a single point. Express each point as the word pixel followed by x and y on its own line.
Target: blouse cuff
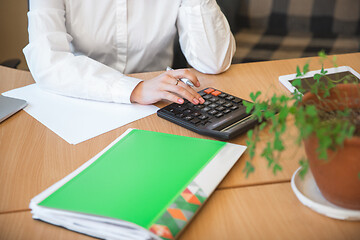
pixel 121 90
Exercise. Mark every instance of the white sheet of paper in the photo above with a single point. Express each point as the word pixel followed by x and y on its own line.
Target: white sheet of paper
pixel 76 120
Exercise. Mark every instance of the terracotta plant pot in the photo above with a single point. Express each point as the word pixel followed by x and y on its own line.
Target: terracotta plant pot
pixel 337 178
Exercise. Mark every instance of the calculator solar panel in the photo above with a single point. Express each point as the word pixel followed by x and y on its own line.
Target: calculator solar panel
pixel 222 116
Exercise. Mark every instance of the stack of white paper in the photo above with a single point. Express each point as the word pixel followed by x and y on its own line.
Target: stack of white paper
pixel 76 120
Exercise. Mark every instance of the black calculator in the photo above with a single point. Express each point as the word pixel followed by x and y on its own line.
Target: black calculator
pixel 222 115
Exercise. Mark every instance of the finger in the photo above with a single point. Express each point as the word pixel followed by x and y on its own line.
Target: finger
pixel 185 73
pixel 173 85
pixel 168 79
pixel 182 92
pixel 192 92
pixel 172 97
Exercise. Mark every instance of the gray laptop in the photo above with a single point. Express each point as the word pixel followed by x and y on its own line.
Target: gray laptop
pixel 9 106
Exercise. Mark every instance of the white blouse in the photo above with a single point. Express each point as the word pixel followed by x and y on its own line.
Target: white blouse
pixel 83 48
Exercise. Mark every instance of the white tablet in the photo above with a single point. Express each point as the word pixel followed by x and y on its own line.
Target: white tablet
pixel 9 106
pixel 335 73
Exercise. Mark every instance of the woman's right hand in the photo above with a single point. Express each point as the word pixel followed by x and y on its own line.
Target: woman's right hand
pixel 167 86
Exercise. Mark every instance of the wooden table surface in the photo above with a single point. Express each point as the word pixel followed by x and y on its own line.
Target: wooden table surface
pixel 262 206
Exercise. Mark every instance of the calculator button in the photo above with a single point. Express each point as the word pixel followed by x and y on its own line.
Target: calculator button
pixel 230 97
pixel 228 105
pixel 195 121
pixel 209 90
pixel 196 114
pixel 213 105
pixel 199 106
pixel 207 103
pixel 207 97
pixel 216 93
pixel 221 101
pixel 202 117
pixel 213 99
pixel 220 108
pixel 237 100
pixel 206 109
pixel 172 111
pixel 226 111
pixel 234 107
pixel 202 93
pixel 204 122
pixel 187 111
pixel 222 95
pixel 219 115
pixel 180 115
pixel 179 108
pixel 213 112
pixel 188 118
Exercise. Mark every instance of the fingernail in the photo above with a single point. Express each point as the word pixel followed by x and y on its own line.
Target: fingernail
pixel 195 101
pixel 180 100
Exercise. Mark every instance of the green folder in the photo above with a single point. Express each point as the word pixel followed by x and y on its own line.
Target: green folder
pixel 138 179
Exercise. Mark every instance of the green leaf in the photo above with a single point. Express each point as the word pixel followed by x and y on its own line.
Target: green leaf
pixel 314 89
pixel 248 169
pixel 251 148
pixel 283 128
pixel 323 72
pixel 268 154
pixel 258 113
pixel 304 167
pixel 306 68
pixel 298 72
pixel 254 96
pixel 326 93
pixel 269 114
pixel 276 168
pixel 322 54
pixel 284 99
pixel 296 82
pixel 284 112
pixel 278 144
pixel 324 144
pixel 263 106
pixel 311 111
pixel 249 106
pixel 317 77
pixel 330 85
pixel 297 96
pixel 262 125
pixel 251 143
pixel 351 131
pixel 274 99
pixel 250 133
pixel 307 130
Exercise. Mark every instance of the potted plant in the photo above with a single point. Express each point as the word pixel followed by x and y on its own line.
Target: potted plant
pixel 327 118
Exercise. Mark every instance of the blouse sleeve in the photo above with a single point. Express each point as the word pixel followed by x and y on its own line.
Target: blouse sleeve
pixel 56 67
pixel 205 36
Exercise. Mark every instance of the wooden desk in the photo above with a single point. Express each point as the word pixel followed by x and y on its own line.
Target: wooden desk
pixel 263 206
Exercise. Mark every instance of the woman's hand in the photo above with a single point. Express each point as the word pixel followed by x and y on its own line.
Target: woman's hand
pixel 167 86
